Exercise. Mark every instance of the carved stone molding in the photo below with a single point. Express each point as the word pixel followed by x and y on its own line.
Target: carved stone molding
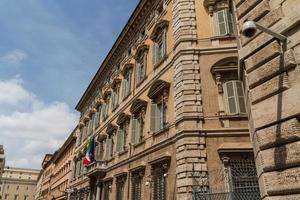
pixel 141 48
pixel 122 118
pixel 160 25
pixel 138 105
pixel 158 87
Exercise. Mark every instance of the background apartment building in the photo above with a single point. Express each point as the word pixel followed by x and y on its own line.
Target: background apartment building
pixel 167 110
pixel 56 172
pixel 18 183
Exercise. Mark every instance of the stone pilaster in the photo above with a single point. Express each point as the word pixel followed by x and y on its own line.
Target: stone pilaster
pixel 271 75
pixel 190 145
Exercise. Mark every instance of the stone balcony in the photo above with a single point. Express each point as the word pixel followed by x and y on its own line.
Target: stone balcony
pixel 98 168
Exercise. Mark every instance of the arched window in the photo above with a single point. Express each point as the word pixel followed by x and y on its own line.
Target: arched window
pixel 230 89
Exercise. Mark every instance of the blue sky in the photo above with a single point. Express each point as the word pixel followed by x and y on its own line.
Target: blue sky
pixel 49 52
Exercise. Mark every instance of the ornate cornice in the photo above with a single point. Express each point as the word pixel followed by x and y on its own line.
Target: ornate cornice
pixel 158 87
pixel 137 105
pixel 160 25
pixel 141 48
pixel 122 118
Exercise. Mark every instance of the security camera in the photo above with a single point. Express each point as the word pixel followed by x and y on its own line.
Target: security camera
pixel 249 29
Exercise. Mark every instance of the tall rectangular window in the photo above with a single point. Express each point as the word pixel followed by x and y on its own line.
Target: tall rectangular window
pixel 141 67
pixel 159 182
pixel 136 188
pixel 224 21
pixel 109 146
pixel 126 84
pixel 90 126
pixel 244 179
pixel 159 47
pixel 96 119
pixel 234 97
pixel 158 114
pixel 120 188
pixel 106 192
pixel 122 137
pixel 137 128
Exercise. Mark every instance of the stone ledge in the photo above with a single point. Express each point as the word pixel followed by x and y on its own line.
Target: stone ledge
pixel 271 69
pixel 281 157
pixel 269 88
pixel 276 108
pixel 262 56
pixel 278 134
pixel 282 182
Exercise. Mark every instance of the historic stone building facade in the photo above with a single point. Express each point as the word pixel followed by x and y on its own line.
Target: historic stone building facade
pixel 18 183
pixel 270 71
pixel 167 110
pixel 2 160
pixel 56 173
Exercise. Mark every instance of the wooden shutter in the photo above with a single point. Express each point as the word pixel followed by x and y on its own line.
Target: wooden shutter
pixel 123 88
pixel 222 22
pixel 229 21
pixel 134 131
pixel 154 118
pixel 108 149
pixel 240 96
pixel 145 65
pixel 119 140
pixel 155 51
pixel 230 97
pixel 164 42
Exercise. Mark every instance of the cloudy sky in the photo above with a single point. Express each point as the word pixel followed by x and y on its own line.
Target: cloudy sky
pixel 49 52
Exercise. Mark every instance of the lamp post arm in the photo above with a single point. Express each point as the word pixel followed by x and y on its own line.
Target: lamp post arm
pixel 281 37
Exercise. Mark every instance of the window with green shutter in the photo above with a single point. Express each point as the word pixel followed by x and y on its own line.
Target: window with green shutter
pixel 109 147
pixel 122 137
pixel 99 151
pixel 158 115
pixel 224 21
pixel 126 84
pixel 159 47
pixel 141 67
pixel 234 97
pixel 90 127
pixel 96 120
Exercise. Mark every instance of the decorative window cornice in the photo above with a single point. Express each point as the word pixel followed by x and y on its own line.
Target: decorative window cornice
pixel 137 105
pixel 157 88
pixel 111 128
pixel 126 67
pixel 159 26
pixel 141 49
pixel 122 118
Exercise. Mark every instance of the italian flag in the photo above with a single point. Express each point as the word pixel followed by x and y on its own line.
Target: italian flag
pixel 89 157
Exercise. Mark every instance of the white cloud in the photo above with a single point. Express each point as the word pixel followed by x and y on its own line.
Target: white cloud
pixel 14 57
pixel 29 134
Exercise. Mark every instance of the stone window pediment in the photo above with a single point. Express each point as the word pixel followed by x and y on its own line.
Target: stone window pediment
pixel 159 26
pixel 106 93
pixel 137 105
pixel 122 118
pixel 111 128
pixel 225 69
pixel 126 68
pixel 157 88
pixel 116 81
pixel 140 50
